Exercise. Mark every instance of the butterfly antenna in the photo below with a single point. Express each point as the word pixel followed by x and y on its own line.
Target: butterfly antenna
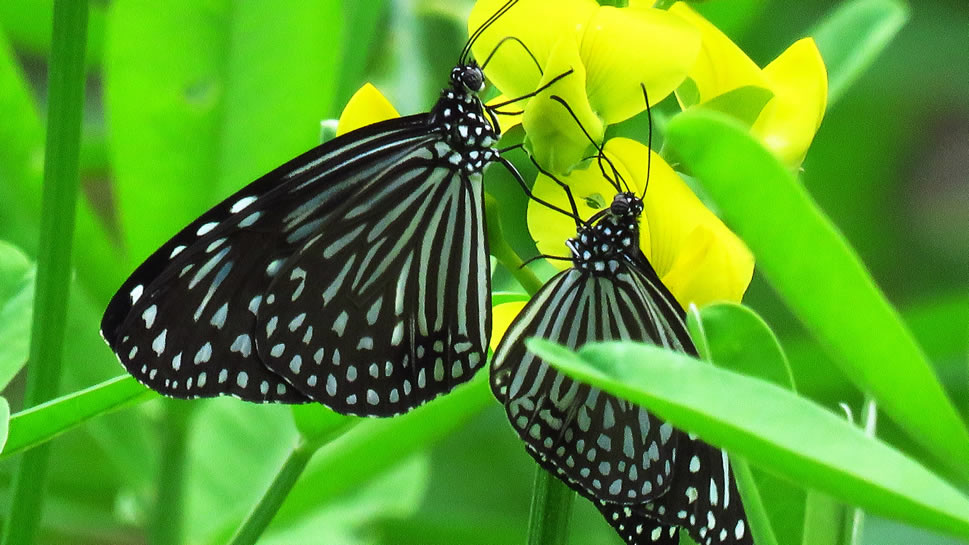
pixel 563 185
pixel 517 40
pixel 521 181
pixel 541 88
pixel 649 137
pixel 601 154
pixel 544 256
pixel 463 59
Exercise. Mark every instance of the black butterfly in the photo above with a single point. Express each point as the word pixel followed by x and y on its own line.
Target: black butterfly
pixel 355 275
pixel 646 477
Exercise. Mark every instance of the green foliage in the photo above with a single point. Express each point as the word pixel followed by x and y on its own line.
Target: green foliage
pixel 776 429
pixel 188 101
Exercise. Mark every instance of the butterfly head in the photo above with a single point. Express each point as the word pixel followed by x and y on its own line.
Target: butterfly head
pixel 626 205
pixel 611 237
pixel 468 78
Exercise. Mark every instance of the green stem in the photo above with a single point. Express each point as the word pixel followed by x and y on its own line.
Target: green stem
pixel 664 4
pixel 551 510
pixel 264 511
pixel 760 526
pixel 168 518
pixel 504 253
pixel 855 520
pixel 61 181
pixel 552 500
pixel 262 514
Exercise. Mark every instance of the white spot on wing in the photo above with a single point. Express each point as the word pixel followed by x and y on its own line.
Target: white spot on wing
pixel 207 228
pixel 241 204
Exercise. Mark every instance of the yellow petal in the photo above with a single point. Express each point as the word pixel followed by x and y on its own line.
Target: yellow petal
pixel 713 265
pixel 592 193
pixel 698 258
pixel 554 138
pixel 538 27
pixel 799 81
pixel 501 318
pixel 721 66
pixel 549 228
pixel 365 107
pixel 506 121
pixel 622 48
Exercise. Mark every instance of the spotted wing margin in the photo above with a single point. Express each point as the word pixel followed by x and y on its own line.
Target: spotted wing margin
pixel 702 499
pixel 182 323
pixel 391 308
pixel 637 528
pixel 604 447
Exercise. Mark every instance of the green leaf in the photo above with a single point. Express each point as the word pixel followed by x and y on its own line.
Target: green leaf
pixel 852 35
pixel 773 428
pixel 16 304
pixel 4 422
pixel 740 340
pixel 717 342
pixel 501 297
pixel 743 103
pixel 242 89
pixel 316 422
pixel 820 277
pixel 363 451
pixel 21 170
pixel 44 422
pixel 28 24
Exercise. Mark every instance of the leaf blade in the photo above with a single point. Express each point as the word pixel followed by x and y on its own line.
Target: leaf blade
pixel 796 246
pixel 773 429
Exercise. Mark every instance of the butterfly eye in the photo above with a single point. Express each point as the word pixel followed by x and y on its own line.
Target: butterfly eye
pixel 473 79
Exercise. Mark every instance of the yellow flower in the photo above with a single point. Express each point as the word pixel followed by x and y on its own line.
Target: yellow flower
pixel 692 251
pixel 501 318
pixel 365 107
pixel 797 79
pixel 610 52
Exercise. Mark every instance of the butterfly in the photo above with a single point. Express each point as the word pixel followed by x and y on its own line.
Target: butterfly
pixel 355 275
pixel 646 477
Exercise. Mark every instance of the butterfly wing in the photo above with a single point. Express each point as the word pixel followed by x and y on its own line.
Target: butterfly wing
pixel 391 308
pixel 637 528
pixel 702 498
pixel 605 447
pixel 183 323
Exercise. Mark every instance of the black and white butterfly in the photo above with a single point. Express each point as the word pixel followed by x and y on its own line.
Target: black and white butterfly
pixel 646 477
pixel 355 275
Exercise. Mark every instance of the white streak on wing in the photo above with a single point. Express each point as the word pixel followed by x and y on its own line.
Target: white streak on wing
pixel 388 185
pixel 398 210
pixel 406 236
pixel 444 263
pixel 465 244
pixel 548 308
pixel 402 286
pixel 216 282
pixel 342 242
pixel 330 292
pixel 207 268
pixel 477 220
pixel 364 265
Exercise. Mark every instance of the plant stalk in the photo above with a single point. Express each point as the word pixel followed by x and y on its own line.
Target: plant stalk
pixel 551 508
pixel 58 205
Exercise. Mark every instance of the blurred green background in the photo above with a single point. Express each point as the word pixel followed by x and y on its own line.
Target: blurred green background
pixel 187 100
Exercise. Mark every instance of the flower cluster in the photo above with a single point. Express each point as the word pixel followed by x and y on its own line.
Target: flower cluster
pixel 611 55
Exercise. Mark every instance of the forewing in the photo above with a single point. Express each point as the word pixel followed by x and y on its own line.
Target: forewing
pixel 183 322
pixel 606 448
pixel 389 310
